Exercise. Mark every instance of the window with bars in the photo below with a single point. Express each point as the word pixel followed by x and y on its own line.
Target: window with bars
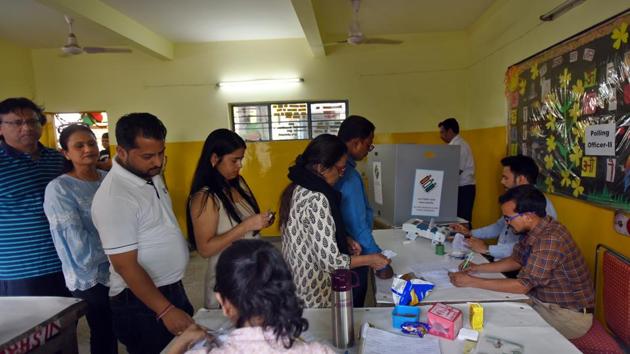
pixel 296 120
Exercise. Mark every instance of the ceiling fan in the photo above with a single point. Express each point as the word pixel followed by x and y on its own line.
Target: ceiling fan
pixel 355 36
pixel 72 46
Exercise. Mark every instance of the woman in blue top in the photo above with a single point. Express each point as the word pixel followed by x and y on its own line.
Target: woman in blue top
pixel 67 204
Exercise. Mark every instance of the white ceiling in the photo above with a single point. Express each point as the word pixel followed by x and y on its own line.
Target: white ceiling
pixel 31 24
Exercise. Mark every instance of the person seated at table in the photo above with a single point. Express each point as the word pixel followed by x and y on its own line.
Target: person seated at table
pixel 67 202
pixel 222 207
pixel 314 238
pixel 518 170
pixel 257 294
pixel 552 270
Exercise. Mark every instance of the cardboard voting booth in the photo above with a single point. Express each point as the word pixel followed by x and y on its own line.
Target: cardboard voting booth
pixel 413 181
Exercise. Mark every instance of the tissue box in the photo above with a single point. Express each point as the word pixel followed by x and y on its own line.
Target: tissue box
pixel 445 321
pixel 402 314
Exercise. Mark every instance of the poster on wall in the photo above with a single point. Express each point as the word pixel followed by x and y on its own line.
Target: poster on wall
pixel 569 109
pixel 378 182
pixel 427 192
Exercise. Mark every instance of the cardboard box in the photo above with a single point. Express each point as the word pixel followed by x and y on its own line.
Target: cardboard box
pixel 445 321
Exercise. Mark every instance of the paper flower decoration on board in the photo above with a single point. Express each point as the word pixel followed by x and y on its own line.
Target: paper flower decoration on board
pixel 575 111
pixel 551 121
pixel 620 35
pixel 566 178
pixel 551 143
pixel 578 133
pixel 576 155
pixel 549 184
pixel 578 89
pixel 522 84
pixel 534 71
pixel 548 162
pixel 577 187
pixel 565 78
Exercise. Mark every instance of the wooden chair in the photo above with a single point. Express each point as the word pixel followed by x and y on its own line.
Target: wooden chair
pixel 616 298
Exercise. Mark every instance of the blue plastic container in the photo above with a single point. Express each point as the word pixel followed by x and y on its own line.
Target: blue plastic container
pixel 402 314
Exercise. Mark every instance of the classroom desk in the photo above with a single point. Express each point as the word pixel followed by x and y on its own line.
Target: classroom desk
pixel 516 322
pixel 39 324
pixel 421 251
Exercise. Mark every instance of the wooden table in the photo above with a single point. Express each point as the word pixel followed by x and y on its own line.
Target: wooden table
pixel 39 324
pixel 420 251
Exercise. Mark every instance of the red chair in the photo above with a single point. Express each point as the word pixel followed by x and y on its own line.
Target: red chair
pixel 616 270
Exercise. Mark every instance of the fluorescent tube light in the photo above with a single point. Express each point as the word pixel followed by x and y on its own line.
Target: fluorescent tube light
pixel 560 9
pixel 261 82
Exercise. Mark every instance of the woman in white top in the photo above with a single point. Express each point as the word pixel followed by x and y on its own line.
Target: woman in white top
pixel 314 238
pixel 221 207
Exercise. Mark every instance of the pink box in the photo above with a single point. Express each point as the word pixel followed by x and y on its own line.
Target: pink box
pixel 445 321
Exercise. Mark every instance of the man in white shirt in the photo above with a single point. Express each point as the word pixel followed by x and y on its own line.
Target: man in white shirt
pixel 133 214
pixel 449 133
pixel 517 171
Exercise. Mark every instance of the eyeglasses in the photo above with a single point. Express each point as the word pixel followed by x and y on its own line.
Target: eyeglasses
pixel 18 123
pixel 371 147
pixel 508 219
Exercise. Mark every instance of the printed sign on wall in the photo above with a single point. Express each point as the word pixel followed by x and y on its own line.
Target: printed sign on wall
pixel 427 192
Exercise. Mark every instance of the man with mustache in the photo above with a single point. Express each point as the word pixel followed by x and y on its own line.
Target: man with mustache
pixel 551 268
pixel 133 214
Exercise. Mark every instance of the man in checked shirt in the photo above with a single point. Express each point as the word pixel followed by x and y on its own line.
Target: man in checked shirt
pixel 552 270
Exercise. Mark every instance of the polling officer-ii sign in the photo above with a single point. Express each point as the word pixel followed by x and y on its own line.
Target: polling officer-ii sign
pixel 599 140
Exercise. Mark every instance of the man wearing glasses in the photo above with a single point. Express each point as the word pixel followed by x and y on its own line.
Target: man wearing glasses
pixel 518 170
pixel 552 270
pixel 29 265
pixel 358 134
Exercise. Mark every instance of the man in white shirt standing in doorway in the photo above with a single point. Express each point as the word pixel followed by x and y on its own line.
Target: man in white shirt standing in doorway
pixel 449 133
pixel 134 216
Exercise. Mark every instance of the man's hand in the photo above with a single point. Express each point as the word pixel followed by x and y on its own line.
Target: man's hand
pixel 176 321
pixel 461 229
pixel 477 245
pixel 354 247
pixel 462 279
pixel 468 267
pixel 191 335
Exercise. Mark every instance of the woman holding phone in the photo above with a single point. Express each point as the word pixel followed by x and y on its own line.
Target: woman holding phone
pixel 221 207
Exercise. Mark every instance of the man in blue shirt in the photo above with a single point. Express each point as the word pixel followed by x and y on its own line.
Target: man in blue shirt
pixel 29 265
pixel 358 134
pixel 517 171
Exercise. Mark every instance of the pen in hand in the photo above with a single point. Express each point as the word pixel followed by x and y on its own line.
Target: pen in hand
pixel 466 263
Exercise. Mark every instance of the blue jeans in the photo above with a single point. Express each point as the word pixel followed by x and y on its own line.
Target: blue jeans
pixel 99 318
pixel 135 324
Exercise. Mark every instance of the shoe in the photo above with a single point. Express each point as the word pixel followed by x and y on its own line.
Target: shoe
pixel 385 273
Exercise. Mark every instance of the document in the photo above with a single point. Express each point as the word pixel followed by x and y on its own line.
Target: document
pixel 436 273
pixel 377 341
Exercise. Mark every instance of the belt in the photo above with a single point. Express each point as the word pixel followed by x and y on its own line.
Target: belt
pixel 127 292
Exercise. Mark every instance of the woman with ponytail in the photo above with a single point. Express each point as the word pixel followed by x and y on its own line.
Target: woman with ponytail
pixel 256 292
pixel 314 238
pixel 67 205
pixel 221 207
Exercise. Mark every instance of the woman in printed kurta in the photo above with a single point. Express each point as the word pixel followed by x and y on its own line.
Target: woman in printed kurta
pixel 314 238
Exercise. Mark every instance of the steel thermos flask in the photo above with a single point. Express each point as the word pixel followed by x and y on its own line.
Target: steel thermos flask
pixel 341 308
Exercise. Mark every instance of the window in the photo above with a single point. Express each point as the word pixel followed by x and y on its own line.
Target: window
pixel 97 121
pixel 287 120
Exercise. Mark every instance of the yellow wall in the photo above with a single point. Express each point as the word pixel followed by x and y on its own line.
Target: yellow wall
pixel 16 71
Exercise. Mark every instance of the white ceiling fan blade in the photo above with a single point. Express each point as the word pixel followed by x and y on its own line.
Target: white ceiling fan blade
pixel 98 50
pixel 380 41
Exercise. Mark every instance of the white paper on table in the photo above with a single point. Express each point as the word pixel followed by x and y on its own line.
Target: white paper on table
pixel 459 243
pixel 377 341
pixel 389 254
pixel 377 174
pixel 436 273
